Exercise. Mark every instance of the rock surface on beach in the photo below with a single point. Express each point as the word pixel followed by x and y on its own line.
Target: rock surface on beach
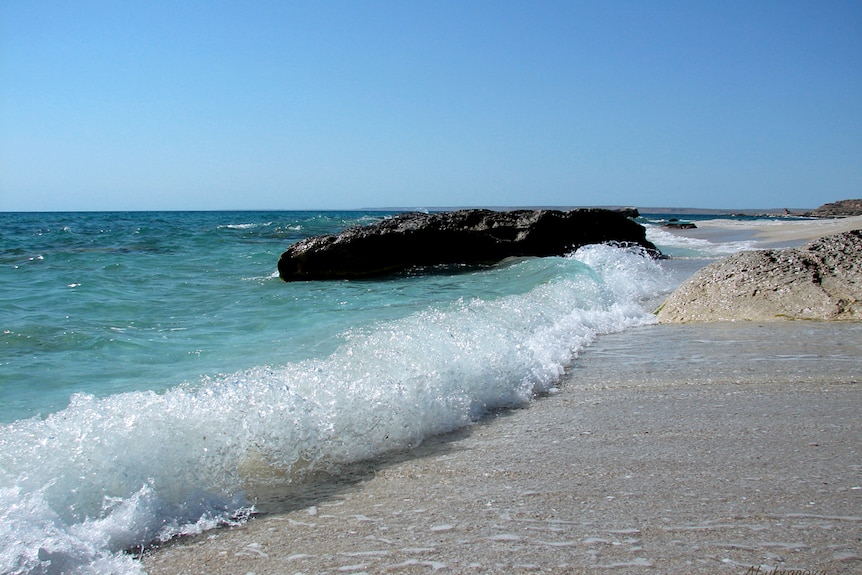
pixel 460 237
pixel 820 281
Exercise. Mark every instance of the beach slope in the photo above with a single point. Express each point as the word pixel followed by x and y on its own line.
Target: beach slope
pixel 722 448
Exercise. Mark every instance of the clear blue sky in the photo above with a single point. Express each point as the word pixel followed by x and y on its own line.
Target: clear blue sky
pixel 124 105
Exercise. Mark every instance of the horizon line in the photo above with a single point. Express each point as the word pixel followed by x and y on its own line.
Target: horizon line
pixel 646 209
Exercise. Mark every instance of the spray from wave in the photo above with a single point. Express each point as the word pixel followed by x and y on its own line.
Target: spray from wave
pixel 107 475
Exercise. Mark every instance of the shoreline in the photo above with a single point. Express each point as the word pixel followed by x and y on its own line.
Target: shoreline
pixel 711 469
pixel 710 448
pixel 770 233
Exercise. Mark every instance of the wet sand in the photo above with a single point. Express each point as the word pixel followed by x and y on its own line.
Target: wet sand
pixel 714 448
pixel 707 449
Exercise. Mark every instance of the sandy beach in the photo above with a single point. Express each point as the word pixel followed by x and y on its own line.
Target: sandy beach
pixel 773 233
pixel 713 448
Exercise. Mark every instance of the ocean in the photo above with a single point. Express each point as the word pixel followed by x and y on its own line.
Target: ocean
pixel 158 379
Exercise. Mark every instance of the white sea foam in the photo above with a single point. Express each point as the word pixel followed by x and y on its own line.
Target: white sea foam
pixel 107 475
pixel 249 226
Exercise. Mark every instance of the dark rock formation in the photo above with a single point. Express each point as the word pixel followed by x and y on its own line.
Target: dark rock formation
pixel 628 212
pixel 472 237
pixel 843 208
pixel 822 280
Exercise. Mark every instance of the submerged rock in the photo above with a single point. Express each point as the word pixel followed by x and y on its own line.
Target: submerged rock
pixel 471 237
pixel 820 281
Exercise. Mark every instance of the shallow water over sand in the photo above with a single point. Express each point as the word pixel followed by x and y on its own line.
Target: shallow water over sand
pixel 669 449
pixel 733 352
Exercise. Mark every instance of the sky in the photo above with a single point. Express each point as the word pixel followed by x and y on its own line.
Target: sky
pixel 222 105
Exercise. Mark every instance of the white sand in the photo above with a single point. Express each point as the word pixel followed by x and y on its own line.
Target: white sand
pixel 779 232
pixel 671 449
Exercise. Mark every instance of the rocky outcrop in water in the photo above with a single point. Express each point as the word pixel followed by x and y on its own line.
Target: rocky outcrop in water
pixel 471 237
pixel 843 208
pixel 674 224
pixel 820 281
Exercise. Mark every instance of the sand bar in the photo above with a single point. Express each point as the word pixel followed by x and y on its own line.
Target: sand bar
pixel 670 449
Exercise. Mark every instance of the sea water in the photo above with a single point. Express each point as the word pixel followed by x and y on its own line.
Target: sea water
pixel 158 379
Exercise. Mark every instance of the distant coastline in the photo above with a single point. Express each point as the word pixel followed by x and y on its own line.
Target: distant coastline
pixel 839 209
pixel 796 212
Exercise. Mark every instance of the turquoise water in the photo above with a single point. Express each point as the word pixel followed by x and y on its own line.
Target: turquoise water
pixel 157 378
pixel 110 302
